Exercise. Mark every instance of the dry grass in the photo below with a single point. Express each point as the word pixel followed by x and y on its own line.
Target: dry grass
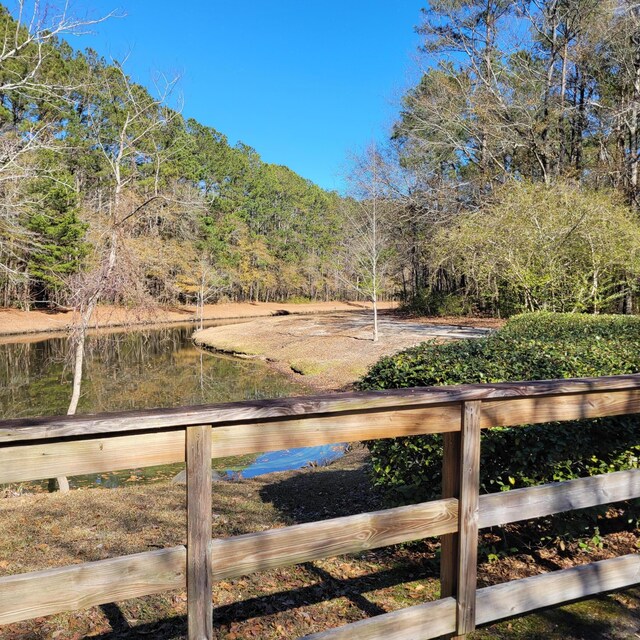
pixel 330 351
pixel 40 531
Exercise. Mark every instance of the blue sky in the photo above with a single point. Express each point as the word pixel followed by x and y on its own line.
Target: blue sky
pixel 304 82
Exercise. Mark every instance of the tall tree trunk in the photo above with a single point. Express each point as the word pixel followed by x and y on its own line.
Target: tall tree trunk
pixel 374 300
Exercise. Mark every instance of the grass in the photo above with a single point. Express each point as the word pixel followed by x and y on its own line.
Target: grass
pixel 40 531
pixel 309 367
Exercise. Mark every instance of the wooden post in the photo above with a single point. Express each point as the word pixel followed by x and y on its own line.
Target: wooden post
pixel 459 552
pixel 468 518
pixel 199 602
pixel 450 489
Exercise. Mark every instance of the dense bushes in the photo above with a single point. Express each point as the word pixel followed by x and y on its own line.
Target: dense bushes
pixel 529 347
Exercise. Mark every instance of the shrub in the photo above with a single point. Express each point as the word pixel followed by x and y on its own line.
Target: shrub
pixel 529 347
pixel 556 247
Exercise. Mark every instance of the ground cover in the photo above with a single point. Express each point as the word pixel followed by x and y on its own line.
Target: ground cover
pixel 539 346
pixel 42 530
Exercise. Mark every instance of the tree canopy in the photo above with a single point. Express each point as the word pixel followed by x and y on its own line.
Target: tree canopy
pixel 91 159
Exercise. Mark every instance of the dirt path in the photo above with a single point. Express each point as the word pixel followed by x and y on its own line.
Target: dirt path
pixel 14 321
pixel 331 351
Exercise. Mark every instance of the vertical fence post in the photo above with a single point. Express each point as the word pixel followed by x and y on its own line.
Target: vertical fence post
pixel 199 603
pixel 459 552
pixel 450 489
pixel 468 518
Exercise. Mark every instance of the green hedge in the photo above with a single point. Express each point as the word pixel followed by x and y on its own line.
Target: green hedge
pixel 529 347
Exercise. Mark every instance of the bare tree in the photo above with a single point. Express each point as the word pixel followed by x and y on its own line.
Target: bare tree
pixel 211 282
pixel 36 25
pixel 28 31
pixel 127 149
pixel 368 248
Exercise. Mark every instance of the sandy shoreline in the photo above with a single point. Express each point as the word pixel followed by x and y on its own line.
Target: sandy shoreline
pixel 329 352
pixel 14 322
pixel 325 345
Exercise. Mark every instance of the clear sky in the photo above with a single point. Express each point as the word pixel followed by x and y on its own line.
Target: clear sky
pixel 304 82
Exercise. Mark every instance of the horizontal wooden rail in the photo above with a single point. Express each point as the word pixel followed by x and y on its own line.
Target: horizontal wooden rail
pixel 42 593
pixel 558 587
pixel 251 552
pixel 420 622
pixel 241 555
pixel 47 447
pixel 557 497
pixel 438 618
pixel 265 410
pixel 90 454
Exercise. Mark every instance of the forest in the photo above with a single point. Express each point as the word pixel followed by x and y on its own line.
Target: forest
pixel 106 191
pixel 517 157
pixel 509 182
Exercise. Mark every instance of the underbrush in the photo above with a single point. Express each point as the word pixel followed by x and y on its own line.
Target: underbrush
pixel 529 347
pixel 435 303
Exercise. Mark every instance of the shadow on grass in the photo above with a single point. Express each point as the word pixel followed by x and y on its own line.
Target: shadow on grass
pixel 309 496
pixel 329 587
pixel 604 619
pixel 169 629
pixel 597 618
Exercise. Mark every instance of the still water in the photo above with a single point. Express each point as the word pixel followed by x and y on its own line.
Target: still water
pixel 141 370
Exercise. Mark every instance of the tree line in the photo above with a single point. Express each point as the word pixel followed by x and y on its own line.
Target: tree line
pixel 510 180
pixel 514 165
pixel 109 194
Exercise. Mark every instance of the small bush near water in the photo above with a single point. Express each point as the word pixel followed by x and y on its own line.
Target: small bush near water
pixel 530 347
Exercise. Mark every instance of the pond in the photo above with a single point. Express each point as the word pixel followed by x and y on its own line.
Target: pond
pixel 143 369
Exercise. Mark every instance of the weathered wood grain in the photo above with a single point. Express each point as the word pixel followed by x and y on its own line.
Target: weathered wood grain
pixel 435 619
pixel 536 410
pixel 429 620
pixel 241 555
pixel 468 518
pixel 94 455
pixel 547 499
pixel 450 489
pixel 47 592
pixel 549 589
pixel 259 411
pixel 199 603
pixel 42 593
pixel 273 436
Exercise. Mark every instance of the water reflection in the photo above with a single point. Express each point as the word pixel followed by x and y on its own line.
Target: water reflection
pixel 129 370
pixel 141 370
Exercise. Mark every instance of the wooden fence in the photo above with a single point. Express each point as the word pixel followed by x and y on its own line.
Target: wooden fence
pixel 48 447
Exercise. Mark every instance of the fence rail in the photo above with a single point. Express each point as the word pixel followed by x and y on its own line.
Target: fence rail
pixel 40 448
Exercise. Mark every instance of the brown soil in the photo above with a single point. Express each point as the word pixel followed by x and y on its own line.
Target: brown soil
pixel 330 351
pixel 43 531
pixel 14 321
